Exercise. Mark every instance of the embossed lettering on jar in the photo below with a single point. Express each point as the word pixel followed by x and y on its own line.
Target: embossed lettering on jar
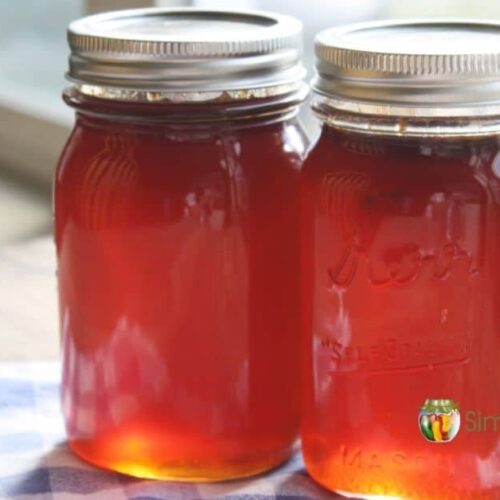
pixel 177 241
pixel 401 230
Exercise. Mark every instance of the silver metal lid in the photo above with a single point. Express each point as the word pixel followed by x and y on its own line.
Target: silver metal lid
pixel 195 52
pixel 423 68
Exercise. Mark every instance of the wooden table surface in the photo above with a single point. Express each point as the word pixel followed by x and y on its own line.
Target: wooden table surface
pixel 28 301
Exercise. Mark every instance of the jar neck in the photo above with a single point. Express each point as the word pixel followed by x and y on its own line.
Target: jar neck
pixel 221 112
pixel 418 126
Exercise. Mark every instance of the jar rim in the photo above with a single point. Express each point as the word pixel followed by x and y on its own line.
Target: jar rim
pixel 407 126
pixel 181 112
pixel 177 97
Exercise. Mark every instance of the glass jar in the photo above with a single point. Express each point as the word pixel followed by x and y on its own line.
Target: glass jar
pixel 401 229
pixel 177 242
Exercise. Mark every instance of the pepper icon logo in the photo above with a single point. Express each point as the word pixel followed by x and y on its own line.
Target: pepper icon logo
pixel 439 420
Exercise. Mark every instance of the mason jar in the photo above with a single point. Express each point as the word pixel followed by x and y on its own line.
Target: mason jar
pixel 401 279
pixel 177 242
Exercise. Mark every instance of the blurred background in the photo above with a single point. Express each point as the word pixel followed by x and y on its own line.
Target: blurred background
pixel 34 123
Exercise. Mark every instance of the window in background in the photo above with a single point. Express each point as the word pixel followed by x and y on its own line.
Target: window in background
pixel 33 52
pixel 33 120
pixel 486 9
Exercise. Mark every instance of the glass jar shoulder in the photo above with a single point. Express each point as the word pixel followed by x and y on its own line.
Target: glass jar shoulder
pixel 133 150
pixel 126 172
pixel 416 165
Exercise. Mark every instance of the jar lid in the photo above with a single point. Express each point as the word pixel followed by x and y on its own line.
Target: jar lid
pixel 423 68
pixel 184 51
pixel 439 405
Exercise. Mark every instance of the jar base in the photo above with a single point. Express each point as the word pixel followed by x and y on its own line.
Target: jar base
pixel 202 473
pixel 361 496
pixel 374 491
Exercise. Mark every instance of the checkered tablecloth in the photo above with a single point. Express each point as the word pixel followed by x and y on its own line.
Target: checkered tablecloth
pixel 35 462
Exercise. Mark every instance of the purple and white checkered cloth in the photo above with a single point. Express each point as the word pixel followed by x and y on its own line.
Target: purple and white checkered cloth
pixel 35 462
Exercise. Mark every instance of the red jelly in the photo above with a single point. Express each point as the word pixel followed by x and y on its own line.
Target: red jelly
pixel 176 232
pixel 401 230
